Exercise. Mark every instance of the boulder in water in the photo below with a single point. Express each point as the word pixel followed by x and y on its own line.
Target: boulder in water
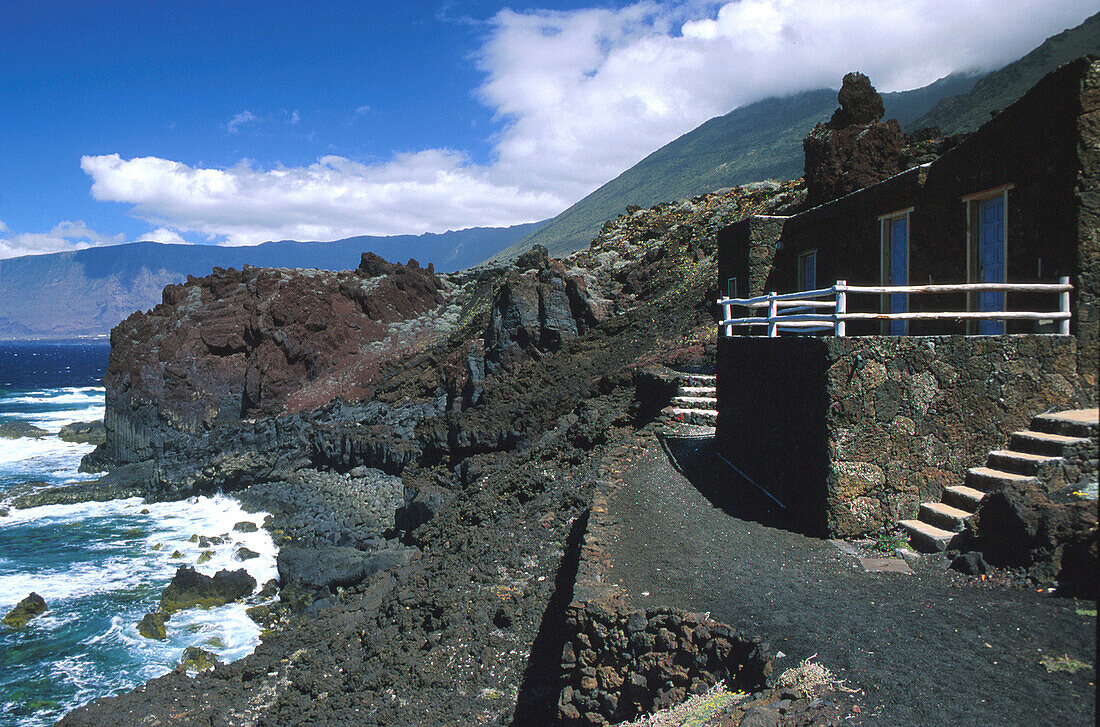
pixel 17 430
pixel 84 432
pixel 30 607
pixel 189 588
pixel 151 626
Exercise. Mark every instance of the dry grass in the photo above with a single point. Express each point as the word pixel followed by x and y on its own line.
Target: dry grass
pixel 810 680
pixel 695 712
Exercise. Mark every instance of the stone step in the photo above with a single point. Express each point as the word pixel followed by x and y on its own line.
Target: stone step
pixel 988 479
pixel 697 391
pixel 695 402
pixel 1023 463
pixel 1053 445
pixel 944 516
pixel 1072 423
pixel 704 417
pixel 963 497
pixel 927 538
pixel 698 379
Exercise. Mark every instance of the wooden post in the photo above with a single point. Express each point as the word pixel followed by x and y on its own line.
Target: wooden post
pixel 727 314
pixel 839 327
pixel 773 313
pixel 1063 325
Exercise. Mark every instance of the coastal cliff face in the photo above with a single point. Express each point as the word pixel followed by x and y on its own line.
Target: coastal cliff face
pixel 429 477
pixel 239 344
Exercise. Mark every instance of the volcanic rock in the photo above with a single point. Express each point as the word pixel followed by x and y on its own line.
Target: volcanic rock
pixel 196 659
pixel 1021 526
pixel 854 149
pixel 151 626
pixel 84 432
pixel 30 607
pixel 242 343
pixel 18 429
pixel 313 568
pixel 189 589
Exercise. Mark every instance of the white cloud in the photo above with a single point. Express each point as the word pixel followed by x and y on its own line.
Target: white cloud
pixel 63 237
pixel 235 123
pixel 295 117
pixel 3 227
pixel 578 97
pixel 163 234
pixel 333 198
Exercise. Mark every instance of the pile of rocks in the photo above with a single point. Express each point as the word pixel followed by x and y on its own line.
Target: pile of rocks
pixel 623 663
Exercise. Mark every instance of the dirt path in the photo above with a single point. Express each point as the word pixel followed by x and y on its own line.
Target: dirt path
pixel 927 649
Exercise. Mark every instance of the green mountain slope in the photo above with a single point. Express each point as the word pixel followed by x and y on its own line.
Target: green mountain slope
pixel 998 89
pixel 764 140
pixel 759 141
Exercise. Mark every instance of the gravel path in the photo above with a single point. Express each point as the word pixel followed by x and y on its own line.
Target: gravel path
pixel 933 648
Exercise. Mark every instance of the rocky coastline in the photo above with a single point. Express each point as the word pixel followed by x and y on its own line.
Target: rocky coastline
pixel 425 445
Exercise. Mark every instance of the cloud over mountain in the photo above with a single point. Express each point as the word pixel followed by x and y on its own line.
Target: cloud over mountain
pixel 578 96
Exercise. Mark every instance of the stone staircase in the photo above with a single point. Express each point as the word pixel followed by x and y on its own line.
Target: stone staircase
pixel 696 400
pixel 1051 453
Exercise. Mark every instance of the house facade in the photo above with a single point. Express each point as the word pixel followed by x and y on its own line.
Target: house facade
pixel 1017 201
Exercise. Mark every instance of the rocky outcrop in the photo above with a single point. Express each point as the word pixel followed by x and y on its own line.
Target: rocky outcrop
pixel 30 607
pixel 855 148
pixel 242 343
pixel 330 567
pixel 84 432
pixel 1021 526
pixel 191 589
pixel 18 429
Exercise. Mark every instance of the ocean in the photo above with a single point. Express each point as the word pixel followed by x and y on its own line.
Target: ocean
pixel 99 566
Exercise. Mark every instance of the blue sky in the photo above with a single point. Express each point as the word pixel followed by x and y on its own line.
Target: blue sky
pixel 235 122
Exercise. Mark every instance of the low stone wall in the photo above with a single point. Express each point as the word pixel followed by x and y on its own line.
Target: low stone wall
pixel 619 662
pixel 852 434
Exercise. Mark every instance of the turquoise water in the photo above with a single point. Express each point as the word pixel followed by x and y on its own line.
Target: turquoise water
pixel 99 566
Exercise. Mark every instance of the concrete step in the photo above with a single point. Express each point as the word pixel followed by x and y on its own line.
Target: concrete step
pixel 704 417
pixel 1052 445
pixel 1072 423
pixel 925 537
pixel 697 391
pixel 944 516
pixel 695 402
pixel 963 497
pixel 1024 463
pixel 988 479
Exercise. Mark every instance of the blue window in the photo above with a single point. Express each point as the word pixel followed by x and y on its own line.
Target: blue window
pixel 807 270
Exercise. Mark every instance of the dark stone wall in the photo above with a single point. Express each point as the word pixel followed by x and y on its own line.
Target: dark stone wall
pixel 1087 309
pixel 772 409
pixel 852 434
pixel 746 251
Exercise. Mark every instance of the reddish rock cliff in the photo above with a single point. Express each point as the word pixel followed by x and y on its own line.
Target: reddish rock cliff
pixel 261 341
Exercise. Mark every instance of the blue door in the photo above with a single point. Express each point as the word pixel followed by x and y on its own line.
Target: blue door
pixel 899 272
pixel 991 261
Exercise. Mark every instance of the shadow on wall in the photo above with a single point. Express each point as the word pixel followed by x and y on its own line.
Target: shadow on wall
pixel 697 459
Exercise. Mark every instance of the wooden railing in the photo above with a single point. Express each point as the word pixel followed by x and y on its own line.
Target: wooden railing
pixel 827 309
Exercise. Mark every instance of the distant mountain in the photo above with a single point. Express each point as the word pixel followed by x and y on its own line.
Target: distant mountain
pixel 764 140
pixel 998 89
pixel 85 293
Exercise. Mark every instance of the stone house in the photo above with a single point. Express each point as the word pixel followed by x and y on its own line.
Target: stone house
pixel 852 433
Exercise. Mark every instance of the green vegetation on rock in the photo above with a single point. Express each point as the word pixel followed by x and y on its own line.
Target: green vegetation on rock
pixel 151 626
pixel 30 607
pixel 196 659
